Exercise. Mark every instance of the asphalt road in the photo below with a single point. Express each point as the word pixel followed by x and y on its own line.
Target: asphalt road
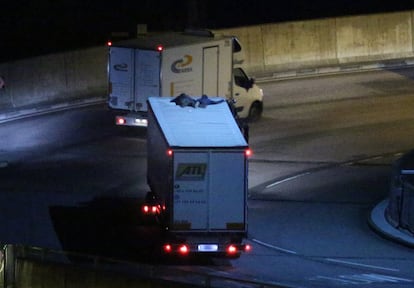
pixel 321 166
pixel 322 158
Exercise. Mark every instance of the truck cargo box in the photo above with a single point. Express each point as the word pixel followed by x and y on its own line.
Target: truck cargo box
pixel 197 167
pixel 168 64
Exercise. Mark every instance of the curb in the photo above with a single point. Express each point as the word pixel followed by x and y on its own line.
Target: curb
pixel 333 70
pixel 379 224
pixel 47 108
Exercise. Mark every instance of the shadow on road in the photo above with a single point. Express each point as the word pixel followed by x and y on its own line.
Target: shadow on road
pixel 113 228
pixel 107 227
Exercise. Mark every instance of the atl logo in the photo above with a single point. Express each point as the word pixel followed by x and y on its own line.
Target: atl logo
pixel 191 171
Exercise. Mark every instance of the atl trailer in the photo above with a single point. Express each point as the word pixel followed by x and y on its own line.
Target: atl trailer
pixel 197 174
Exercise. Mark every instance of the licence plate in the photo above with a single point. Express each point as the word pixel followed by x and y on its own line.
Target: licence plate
pixel 208 247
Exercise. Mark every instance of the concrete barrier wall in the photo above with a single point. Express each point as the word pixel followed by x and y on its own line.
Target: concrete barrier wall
pixel 54 78
pixel 251 39
pixel 268 48
pixel 299 43
pixel 325 42
pixel 374 37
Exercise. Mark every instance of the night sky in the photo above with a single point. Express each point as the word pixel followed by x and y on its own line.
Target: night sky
pixel 35 27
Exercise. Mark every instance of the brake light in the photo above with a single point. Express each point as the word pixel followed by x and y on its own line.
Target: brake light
pixel 151 209
pixel 169 152
pixel 167 248
pixel 160 48
pixel 248 152
pixel 120 121
pixel 183 249
pixel 231 249
pixel 109 43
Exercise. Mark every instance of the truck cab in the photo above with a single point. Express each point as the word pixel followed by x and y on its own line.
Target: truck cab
pixel 247 95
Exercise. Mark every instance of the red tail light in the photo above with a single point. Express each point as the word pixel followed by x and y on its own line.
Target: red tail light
pixel 247 248
pixel 232 249
pixel 183 249
pixel 167 248
pixel 151 209
pixel 170 152
pixel 120 121
pixel 248 152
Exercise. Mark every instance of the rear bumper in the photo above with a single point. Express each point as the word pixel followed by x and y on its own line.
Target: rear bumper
pixel 226 245
pixel 132 119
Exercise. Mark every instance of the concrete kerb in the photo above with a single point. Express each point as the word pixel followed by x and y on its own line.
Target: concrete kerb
pixel 12 114
pixel 332 70
pixel 378 222
pixel 44 108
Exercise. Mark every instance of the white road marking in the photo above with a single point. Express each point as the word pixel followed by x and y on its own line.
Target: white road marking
pixel 273 247
pixel 287 179
pixel 360 279
pixel 385 278
pixel 362 265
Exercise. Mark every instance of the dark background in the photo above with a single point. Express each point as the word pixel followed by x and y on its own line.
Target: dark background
pixel 36 27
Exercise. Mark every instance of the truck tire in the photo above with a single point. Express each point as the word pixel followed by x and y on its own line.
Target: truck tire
pixel 255 112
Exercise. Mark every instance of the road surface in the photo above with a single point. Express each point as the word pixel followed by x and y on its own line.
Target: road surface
pixel 322 160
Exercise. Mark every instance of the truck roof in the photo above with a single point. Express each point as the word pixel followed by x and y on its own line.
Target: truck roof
pixel 170 39
pixel 211 126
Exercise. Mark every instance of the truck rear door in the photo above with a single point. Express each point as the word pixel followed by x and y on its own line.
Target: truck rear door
pixel 120 77
pixel 134 75
pixel 209 191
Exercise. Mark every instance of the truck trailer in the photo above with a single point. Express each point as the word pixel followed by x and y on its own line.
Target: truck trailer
pixel 169 64
pixel 197 174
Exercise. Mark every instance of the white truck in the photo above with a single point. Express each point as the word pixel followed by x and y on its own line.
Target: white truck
pixel 169 64
pixel 197 174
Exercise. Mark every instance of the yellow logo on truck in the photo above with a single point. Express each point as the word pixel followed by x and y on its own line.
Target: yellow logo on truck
pixel 182 65
pixel 191 171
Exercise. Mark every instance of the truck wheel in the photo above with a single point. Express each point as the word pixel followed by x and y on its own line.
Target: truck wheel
pixel 255 112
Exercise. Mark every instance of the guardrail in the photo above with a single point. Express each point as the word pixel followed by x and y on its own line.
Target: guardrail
pixel 24 266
